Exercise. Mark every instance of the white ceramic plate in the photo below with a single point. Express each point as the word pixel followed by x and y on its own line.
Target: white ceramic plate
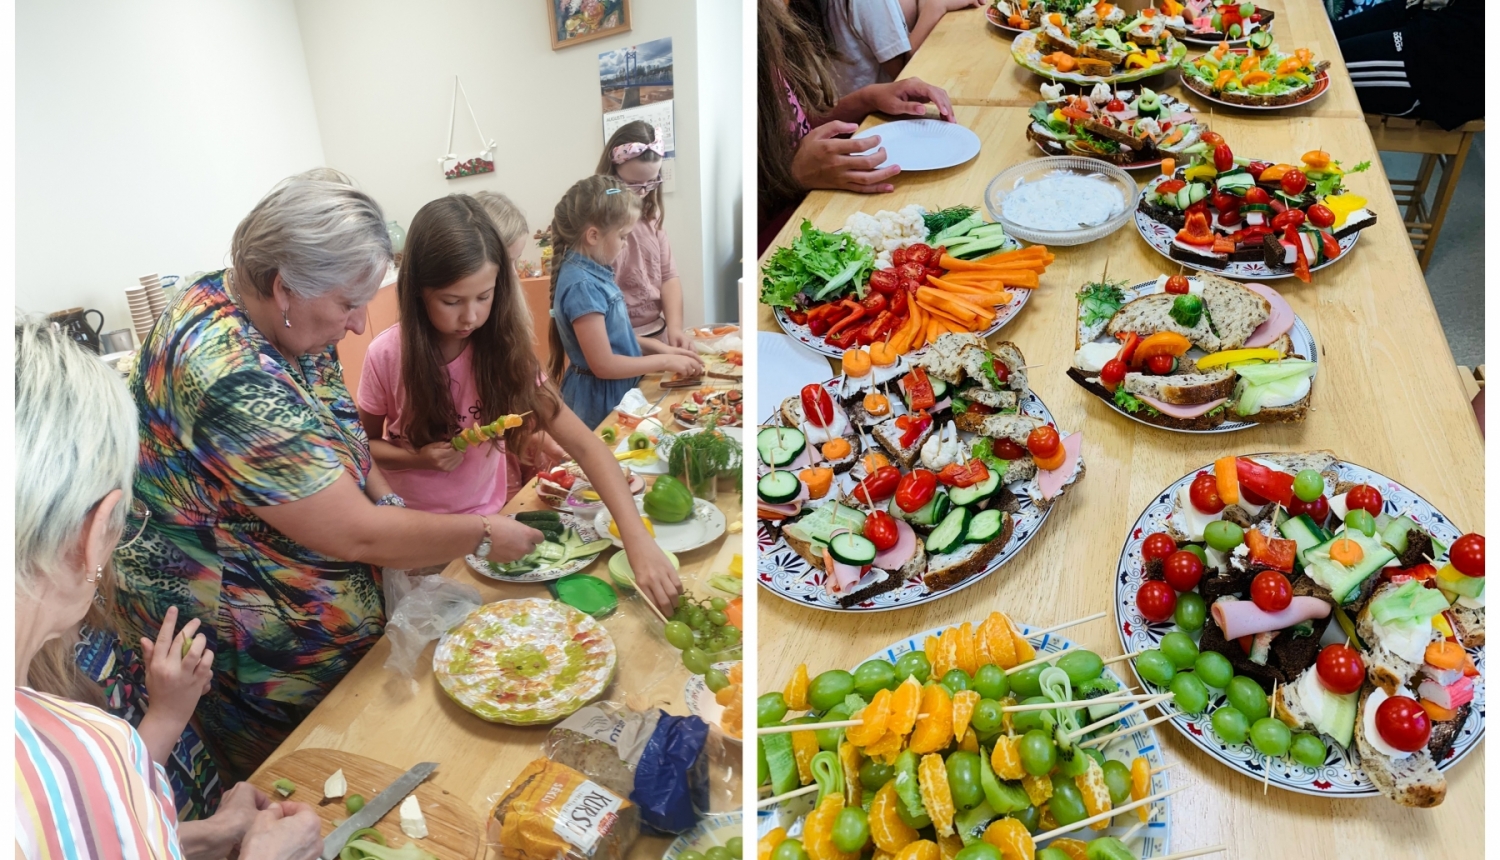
pixel 652 427
pixel 796 365
pixel 586 533
pixel 924 144
pixel 1024 50
pixel 701 702
pixel 711 831
pixel 705 525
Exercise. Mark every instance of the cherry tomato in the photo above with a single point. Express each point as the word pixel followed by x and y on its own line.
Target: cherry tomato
pixel 898 257
pixel 1182 570
pixel 1271 591
pixel 1204 494
pixel 1320 215
pixel 1158 545
pixel 918 253
pixel 1317 508
pixel 1212 138
pixel 1043 442
pixel 1340 669
pixel 884 281
pixel 1223 157
pixel 1225 202
pixel 1256 194
pixel 1177 285
pixel 1256 168
pixel 1200 206
pixel 1156 600
pixel 1113 373
pixel 1467 554
pixel 880 529
pixel 915 489
pixel 1403 723
pixel 1294 182
pixel 1289 219
pixel 1008 450
pixel 1161 365
pixel 1114 105
pixel 1365 497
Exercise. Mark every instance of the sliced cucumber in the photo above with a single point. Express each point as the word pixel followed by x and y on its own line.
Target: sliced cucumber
pixel 981 246
pixel 958 229
pixel 1185 197
pixel 779 446
pixel 949 533
pixel 976 493
pixel 1196 191
pixel 985 527
pixel 929 514
pixel 778 488
pixel 1304 532
pixel 1395 534
pixel 851 548
pixel 939 388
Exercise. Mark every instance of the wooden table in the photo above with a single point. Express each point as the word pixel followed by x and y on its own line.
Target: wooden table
pixel 1386 397
pixel 970 58
pixel 375 713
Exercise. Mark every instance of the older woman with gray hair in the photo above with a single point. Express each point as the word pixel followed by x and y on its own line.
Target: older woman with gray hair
pixel 268 520
pixel 86 784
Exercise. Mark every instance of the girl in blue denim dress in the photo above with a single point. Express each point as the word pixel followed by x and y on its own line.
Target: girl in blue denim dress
pixel 590 323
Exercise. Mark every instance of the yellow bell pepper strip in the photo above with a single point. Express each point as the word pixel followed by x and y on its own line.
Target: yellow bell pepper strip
pixel 1200 171
pixel 1153 55
pixel 1136 61
pixel 1343 205
pixel 1224 78
pixel 479 435
pixel 1231 356
pixel 1196 232
pixel 1172 8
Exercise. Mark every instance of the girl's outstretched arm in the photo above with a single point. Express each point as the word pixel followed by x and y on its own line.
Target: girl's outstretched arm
pixel 654 573
pixel 671 306
pixel 593 339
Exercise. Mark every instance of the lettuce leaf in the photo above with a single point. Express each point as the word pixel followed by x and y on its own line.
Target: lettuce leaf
pixel 815 261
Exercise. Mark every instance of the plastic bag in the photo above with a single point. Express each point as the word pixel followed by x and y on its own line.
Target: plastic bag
pixel 603 741
pixel 553 812
pixel 671 778
pixel 421 609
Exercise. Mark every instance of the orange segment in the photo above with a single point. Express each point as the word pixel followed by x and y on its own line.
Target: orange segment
pixel 1024 652
pixel 737 673
pixel 850 759
pixel 964 654
pixel 1005 759
pixel 963 709
pixel 1046 820
pixel 946 656
pixel 905 705
pixel 1140 785
pixel 982 648
pixel 934 731
pixel 875 716
pixel 1010 836
pixel 1038 788
pixel 889 832
pixel 1076 849
pixel 1005 721
pixel 997 639
pixel 922 849
pixel 804 747
pixel 725 694
pixel 949 846
pixel 796 690
pixel 932 780
pixel 969 742
pixel 767 844
pixel 887 748
pixel 817 831
pixel 931 646
pixel 1095 793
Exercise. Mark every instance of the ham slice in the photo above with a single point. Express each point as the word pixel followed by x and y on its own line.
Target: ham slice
pixel 1052 481
pixel 767 511
pixel 901 553
pixel 840 578
pixel 1238 618
pixel 800 462
pixel 1176 411
pixel 1280 321
pixel 1180 118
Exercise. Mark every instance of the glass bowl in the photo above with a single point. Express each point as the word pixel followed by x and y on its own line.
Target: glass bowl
pixel 583 501
pixel 1070 169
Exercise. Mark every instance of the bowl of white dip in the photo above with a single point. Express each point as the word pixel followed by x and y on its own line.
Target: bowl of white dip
pixel 1061 200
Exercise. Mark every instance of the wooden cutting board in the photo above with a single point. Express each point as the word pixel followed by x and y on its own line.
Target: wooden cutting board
pixel 453 829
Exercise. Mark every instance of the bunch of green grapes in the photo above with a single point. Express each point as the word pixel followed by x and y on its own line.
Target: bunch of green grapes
pixel 701 631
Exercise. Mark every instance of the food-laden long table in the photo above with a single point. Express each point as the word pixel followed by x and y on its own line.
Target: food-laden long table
pixel 377 714
pixel 1387 397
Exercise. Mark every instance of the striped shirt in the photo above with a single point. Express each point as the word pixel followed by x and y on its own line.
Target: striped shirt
pixel 86 786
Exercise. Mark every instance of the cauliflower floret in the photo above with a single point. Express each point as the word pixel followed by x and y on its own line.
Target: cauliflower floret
pixel 1100 94
pixel 1052 92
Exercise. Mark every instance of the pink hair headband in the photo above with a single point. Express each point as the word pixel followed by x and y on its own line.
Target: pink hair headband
pixel 626 151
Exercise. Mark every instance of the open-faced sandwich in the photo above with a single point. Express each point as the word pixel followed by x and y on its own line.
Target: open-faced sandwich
pixel 1189 353
pixel 1275 547
pixel 1101 40
pixel 1258 76
pixel 911 469
pixel 1206 20
pixel 1125 127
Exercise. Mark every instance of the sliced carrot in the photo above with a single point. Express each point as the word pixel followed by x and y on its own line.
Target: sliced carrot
pixel 1445 655
pixel 959 307
pixel 942 311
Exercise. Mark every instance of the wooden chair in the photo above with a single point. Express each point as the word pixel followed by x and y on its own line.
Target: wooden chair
pixel 1439 149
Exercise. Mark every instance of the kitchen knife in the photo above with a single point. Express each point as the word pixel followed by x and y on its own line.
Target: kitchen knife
pixel 376 807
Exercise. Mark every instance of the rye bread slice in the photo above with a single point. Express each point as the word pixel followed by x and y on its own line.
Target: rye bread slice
pixel 1199 259
pixel 1146 414
pixel 1174 218
pixel 1445 734
pixel 894 579
pixel 1469 625
pixel 1412 781
pixel 949 569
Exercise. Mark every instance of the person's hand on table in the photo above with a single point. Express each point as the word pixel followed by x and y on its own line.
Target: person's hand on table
pixel 907 97
pixel 511 540
pixel 284 831
pixel 678 338
pixel 655 576
pixel 822 160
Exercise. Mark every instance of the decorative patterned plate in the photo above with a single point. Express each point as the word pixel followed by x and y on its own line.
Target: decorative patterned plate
pixel 1205 41
pixel 524 662
pixel 1302 344
pixel 1159 236
pixel 701 703
pixel 586 532
pixel 705 525
pixel 1339 775
pixel 713 830
pixel 788 575
pixel 1023 48
pixel 1156 839
pixel 992 15
pixel 1321 85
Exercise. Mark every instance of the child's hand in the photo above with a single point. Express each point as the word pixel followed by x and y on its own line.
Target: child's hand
pixel 655 576
pixel 511 540
pixel 441 456
pixel 678 339
pixel 175 680
pixel 682 365
pixel 544 450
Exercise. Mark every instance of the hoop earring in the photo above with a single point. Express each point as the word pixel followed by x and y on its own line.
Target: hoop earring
pixel 98 572
pixel 284 321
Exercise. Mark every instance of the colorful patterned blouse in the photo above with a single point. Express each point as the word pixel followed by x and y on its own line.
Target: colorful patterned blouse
pixel 85 786
pixel 227 424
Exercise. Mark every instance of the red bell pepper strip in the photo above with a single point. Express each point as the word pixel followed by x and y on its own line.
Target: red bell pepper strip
pixel 856 314
pixel 962 475
pixel 798 317
pixel 912 426
pixel 918 389
pixel 879 486
pixel 1127 351
pixel 1195 230
pixel 845 339
pixel 1273 485
pixel 1275 553
pixel 1331 248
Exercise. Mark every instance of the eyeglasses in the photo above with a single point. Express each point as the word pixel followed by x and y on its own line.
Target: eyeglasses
pixel 135 523
pixel 644 188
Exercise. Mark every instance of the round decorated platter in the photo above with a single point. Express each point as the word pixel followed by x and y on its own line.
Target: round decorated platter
pixel 709 832
pixel 1152 841
pixel 699 530
pixel 1160 236
pixel 586 533
pixel 525 662
pixel 1340 774
pixel 1208 39
pixel 1321 85
pixel 788 575
pixel 701 703
pixel 1024 49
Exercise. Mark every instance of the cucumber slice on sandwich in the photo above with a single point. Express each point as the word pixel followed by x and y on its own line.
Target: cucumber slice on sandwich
pixel 779 446
pixel 850 548
pixel 985 527
pixel 778 488
pixel 977 492
pixel 949 533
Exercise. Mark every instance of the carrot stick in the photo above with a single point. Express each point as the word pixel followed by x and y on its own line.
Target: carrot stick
pixel 958 307
pixel 1019 254
pixel 956 286
pixel 945 316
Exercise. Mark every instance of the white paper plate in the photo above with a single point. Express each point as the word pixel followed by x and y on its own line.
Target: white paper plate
pixel 795 365
pixel 705 525
pixel 924 144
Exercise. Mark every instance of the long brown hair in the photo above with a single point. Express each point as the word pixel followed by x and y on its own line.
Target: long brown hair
pixel 639 131
pixel 598 201
pixel 791 57
pixel 55 670
pixel 450 239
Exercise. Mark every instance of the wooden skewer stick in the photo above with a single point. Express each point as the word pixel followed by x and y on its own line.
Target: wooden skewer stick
pixel 1107 814
pixel 1265 786
pixel 1080 703
pixel 1131 711
pixel 812 727
pixel 1196 852
pixel 1122 657
pixel 1066 624
pixel 1104 739
pixel 1165 767
pixel 1134 829
pixel 772 801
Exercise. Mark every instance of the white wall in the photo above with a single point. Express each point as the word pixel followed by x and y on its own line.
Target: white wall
pixel 144 132
pixel 382 76
pixel 721 138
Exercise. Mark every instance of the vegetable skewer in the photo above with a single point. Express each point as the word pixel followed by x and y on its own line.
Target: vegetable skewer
pixel 1107 814
pixel 478 435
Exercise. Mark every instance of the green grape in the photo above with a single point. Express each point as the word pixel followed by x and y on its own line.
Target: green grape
pixel 1025 721
pixel 1308 485
pixel 955 680
pixel 829 688
pixel 978 851
pixel 719 603
pixel 1196 550
pixel 718 852
pixel 696 660
pixel 736 844
pixel 851 830
pixel 913 664
pixel 872 676
pixel 829 739
pixel 732 634
pixel 691 855
pixel 1030 818
pixel 1223 535
pixel 715 680
pixel 1234 33
pixel 1027 682
pixel 987 717
pixel 1191 611
pixel 1230 724
pixel 873 774
pixel 1107 848
pixel 769 709
pixel 1153 666
pixel 1270 736
pixel 990 682
pixel 1117 777
pixel 1074 764
pixel 1096 755
pixel 1248 698
pixel 914 822
pixel 789 849
pixel 963 780
pixel 716 644
pixel 1067 801
pixel 1053 854
pixel 717 618
pixel 679 635
pixel 1360 520
pixel 1180 649
pixel 1213 669
pixel 1189 693
pixel 1038 752
pixel 1081 665
pixel 1308 750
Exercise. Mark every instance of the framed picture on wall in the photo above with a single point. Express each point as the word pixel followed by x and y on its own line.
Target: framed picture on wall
pixel 573 22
